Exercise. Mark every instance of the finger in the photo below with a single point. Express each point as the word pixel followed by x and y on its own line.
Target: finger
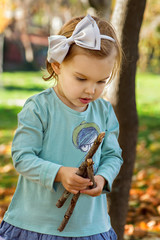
pixel 74 187
pixel 72 190
pixel 81 180
pixel 77 188
pixel 80 186
pixel 91 192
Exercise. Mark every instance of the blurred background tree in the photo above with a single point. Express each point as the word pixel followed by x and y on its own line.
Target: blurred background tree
pixel 127 19
pixel 102 7
pixel 30 23
pixel 149 44
pixel 5 19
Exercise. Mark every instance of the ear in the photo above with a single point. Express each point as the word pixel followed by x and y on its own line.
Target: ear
pixel 56 67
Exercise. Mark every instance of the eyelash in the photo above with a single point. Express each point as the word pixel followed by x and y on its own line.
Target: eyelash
pixel 80 79
pixel 83 79
pixel 102 82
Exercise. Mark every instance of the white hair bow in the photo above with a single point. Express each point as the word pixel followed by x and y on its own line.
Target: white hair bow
pixel 86 35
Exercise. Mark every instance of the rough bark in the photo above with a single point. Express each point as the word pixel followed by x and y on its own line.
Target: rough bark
pixel 69 212
pixel 90 172
pixel 95 146
pixel 127 19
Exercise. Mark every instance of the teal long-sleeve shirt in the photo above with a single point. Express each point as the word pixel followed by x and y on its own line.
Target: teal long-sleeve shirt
pixel 51 135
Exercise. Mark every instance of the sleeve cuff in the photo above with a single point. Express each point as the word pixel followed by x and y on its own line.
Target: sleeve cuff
pixel 108 186
pixel 48 174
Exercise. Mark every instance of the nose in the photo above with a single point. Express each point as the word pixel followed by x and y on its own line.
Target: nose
pixel 90 89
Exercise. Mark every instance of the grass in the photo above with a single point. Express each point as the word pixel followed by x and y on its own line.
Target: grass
pixel 147 86
pixel 18 86
pixel 15 89
pixel 148 107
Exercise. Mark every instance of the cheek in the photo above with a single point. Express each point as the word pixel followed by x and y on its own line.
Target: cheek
pixel 74 87
pixel 71 89
pixel 100 89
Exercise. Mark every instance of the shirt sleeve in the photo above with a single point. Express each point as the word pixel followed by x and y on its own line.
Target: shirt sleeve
pixel 27 145
pixel 111 160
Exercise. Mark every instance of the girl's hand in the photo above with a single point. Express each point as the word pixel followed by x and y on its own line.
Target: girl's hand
pixel 71 181
pixel 98 190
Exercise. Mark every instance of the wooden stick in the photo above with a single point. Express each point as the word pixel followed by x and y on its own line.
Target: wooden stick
pixel 63 198
pixel 82 169
pixel 90 172
pixel 81 172
pixel 69 211
pixel 95 146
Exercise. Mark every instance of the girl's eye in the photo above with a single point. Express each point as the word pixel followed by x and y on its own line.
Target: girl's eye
pixel 80 79
pixel 102 82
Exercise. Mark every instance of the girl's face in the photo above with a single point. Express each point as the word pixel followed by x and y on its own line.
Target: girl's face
pixel 82 79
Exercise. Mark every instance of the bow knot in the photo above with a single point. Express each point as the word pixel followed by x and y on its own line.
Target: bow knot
pixel 86 35
pixel 70 40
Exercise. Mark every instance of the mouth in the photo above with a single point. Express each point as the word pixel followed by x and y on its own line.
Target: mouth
pixel 85 100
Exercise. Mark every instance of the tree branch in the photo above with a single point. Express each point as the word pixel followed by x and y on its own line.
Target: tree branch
pixel 85 170
pixel 82 170
pixel 69 211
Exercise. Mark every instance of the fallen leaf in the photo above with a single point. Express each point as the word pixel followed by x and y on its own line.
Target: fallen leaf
pixel 138 232
pixel 158 209
pixel 146 210
pixel 141 175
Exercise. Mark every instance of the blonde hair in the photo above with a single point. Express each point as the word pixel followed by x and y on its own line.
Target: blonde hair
pixel 106 45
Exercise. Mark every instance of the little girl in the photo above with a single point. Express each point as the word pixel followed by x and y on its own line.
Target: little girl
pixel 56 129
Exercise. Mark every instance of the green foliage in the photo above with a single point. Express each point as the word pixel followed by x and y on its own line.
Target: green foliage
pixel 148 106
pixel 150 38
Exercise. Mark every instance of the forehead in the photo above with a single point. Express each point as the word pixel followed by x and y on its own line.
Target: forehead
pixel 91 66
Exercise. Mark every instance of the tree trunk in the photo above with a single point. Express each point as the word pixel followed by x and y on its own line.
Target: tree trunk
pixel 127 19
pixel 1 51
pixel 1 57
pixel 102 7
